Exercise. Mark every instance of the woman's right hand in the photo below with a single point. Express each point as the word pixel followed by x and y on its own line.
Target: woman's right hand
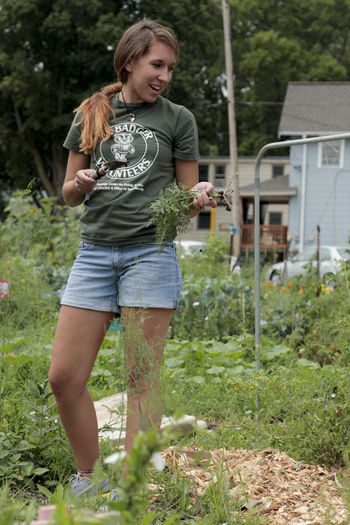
pixel 83 183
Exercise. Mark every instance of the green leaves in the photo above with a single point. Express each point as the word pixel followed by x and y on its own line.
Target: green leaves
pixel 170 213
pixel 308 364
pixel 215 369
pixel 275 351
pixel 198 379
pixel 202 361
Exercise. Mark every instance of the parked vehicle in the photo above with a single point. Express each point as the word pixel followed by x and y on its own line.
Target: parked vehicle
pixel 330 263
pixel 189 247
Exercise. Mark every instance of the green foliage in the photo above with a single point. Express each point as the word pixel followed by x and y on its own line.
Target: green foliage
pixel 170 213
pixel 48 65
pixel 213 308
pixel 275 43
pixel 43 425
pixel 42 83
pixel 48 233
pixel 209 370
pixel 30 453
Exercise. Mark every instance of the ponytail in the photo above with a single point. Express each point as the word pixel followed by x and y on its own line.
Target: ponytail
pixel 95 112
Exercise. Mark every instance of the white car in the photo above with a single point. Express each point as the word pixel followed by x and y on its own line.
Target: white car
pixel 330 263
pixel 184 248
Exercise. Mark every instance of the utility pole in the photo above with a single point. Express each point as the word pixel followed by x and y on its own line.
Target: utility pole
pixel 236 214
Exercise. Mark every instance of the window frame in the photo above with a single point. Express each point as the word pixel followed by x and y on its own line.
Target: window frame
pixel 274 176
pixel 201 167
pixel 202 220
pixel 279 213
pixel 341 155
pixel 220 176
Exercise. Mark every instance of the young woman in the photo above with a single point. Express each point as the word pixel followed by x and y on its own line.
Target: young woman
pixel 118 269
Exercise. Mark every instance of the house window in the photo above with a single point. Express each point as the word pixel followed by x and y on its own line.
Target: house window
pixel 219 178
pixel 204 220
pixel 203 172
pixel 275 218
pixel 277 170
pixel 331 154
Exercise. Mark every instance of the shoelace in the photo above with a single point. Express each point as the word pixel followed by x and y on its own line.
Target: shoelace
pixel 77 477
pixel 73 478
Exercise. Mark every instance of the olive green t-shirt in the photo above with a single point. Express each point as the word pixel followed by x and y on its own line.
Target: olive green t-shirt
pixel 117 212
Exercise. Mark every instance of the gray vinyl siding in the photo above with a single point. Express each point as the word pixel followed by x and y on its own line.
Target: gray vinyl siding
pixel 319 206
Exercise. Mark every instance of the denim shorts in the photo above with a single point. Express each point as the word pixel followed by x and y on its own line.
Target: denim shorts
pixel 104 278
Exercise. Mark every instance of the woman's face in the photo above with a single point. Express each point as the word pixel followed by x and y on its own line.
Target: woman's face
pixel 149 76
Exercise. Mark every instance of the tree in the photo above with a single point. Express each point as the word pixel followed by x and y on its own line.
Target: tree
pixel 52 55
pixel 276 42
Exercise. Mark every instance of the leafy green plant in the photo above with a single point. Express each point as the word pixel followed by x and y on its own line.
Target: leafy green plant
pixel 46 232
pixel 132 493
pixel 42 426
pixel 170 212
pixel 213 307
pixel 17 459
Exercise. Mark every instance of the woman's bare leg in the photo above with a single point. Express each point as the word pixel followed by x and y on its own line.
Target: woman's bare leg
pixel 144 336
pixel 78 338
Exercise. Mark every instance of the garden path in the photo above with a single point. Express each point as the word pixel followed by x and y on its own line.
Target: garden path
pixel 111 418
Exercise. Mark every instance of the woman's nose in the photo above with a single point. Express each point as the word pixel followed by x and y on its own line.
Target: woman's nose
pixel 164 75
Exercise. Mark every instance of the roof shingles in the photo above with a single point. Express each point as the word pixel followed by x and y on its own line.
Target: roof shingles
pixel 315 107
pixel 277 185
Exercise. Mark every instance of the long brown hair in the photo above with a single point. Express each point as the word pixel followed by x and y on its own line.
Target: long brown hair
pixel 97 110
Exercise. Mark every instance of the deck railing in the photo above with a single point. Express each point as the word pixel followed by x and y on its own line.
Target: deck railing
pixel 271 236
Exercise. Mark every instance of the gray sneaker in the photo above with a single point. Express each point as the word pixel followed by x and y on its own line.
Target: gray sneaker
pixel 82 486
pixel 114 497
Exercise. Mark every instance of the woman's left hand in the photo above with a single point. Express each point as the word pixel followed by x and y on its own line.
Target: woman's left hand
pixel 202 196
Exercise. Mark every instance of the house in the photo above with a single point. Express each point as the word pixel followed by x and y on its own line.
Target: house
pixel 274 171
pixel 319 172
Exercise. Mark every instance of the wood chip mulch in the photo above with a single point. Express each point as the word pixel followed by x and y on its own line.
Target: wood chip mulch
pixel 268 483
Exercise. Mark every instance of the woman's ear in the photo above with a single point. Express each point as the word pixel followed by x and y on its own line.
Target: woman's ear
pixel 128 66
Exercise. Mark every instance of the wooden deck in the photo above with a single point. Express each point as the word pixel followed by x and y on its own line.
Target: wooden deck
pixel 272 237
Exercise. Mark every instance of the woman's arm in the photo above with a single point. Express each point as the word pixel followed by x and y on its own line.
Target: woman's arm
pixel 77 183
pixel 186 172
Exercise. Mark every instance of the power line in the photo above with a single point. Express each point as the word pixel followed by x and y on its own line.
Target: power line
pixel 237 103
pixel 268 103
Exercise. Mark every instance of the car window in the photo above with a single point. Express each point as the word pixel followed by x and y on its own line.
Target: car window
pixel 307 255
pixel 325 253
pixel 343 254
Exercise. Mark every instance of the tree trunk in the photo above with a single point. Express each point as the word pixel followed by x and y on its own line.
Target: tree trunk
pixel 41 170
pixel 34 151
pixel 58 170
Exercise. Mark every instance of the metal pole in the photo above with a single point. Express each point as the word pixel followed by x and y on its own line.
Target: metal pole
pixel 264 149
pixel 318 243
pixel 303 198
pixel 236 215
pixel 318 239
